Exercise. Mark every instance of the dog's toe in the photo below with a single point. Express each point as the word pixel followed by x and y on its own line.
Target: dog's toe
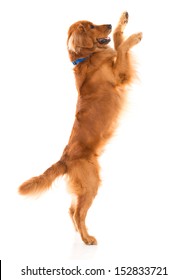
pixel 90 240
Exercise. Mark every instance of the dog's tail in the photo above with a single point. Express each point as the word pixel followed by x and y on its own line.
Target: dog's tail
pixel 39 184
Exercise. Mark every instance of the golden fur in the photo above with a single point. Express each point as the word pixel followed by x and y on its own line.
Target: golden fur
pixel 101 81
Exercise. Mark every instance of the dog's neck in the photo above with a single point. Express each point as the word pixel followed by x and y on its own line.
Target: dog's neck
pixel 75 56
pixel 83 54
pixel 79 60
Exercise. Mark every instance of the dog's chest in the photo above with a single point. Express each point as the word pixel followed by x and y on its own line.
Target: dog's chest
pixel 95 78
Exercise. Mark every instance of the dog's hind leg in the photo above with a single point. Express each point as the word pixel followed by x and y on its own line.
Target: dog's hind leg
pixel 83 204
pixel 83 184
pixel 72 211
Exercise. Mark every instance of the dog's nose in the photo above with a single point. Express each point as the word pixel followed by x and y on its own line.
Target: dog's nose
pixel 109 26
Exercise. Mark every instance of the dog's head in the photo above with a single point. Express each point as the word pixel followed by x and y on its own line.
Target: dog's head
pixel 86 36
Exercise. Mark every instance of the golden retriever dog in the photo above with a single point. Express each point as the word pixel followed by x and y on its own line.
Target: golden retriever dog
pixel 102 74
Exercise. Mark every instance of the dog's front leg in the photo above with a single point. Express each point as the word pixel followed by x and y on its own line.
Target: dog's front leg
pixel 123 68
pixel 118 37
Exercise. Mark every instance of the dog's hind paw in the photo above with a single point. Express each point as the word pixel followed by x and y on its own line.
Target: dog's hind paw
pixel 90 240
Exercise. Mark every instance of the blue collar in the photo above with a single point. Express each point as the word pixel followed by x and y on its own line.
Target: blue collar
pixel 77 61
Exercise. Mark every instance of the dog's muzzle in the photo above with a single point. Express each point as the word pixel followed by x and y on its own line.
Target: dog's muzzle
pixel 103 41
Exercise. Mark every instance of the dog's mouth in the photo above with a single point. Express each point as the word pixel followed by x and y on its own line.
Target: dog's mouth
pixel 103 41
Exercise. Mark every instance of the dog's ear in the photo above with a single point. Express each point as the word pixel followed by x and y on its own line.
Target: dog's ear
pixel 79 39
pixel 81 28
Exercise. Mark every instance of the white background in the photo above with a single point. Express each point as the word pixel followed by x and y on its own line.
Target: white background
pixel 139 215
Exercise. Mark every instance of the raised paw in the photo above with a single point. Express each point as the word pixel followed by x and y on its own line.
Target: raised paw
pixel 139 36
pixel 134 39
pixel 124 18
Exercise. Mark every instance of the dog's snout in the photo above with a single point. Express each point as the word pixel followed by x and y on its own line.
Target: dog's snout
pixel 109 26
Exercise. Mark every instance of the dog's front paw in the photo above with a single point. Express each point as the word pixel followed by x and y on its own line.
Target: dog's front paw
pixel 123 21
pixel 133 40
pixel 137 37
pixel 124 18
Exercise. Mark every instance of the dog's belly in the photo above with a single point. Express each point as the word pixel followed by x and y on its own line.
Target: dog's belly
pixel 95 122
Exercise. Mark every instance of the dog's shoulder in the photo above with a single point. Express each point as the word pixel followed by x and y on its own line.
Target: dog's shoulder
pixel 96 69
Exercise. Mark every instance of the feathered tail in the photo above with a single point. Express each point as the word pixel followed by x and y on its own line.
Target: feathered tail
pixel 41 183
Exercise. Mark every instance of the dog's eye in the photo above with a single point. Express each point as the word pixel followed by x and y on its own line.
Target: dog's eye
pixel 92 26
